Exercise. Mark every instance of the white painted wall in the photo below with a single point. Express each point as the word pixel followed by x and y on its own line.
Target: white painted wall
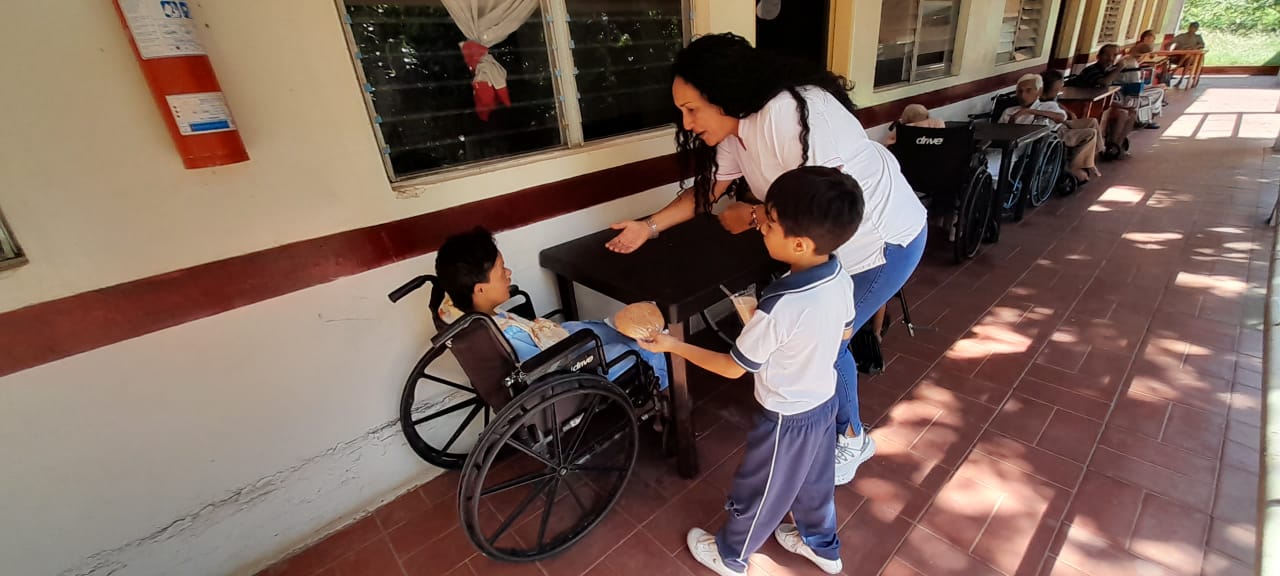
pixel 93 188
pixel 217 446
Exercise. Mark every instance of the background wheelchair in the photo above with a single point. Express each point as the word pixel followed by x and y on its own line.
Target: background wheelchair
pixel 1041 169
pixel 949 169
pixel 557 441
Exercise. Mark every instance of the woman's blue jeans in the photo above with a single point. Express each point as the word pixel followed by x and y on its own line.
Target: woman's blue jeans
pixel 871 290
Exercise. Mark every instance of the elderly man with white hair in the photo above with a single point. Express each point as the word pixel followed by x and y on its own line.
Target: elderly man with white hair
pixel 1079 135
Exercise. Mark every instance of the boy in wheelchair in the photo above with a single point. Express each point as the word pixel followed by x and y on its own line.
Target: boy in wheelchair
pixel 475 278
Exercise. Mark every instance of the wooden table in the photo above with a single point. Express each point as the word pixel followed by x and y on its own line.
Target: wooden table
pixel 1192 62
pixel 682 270
pixel 1087 102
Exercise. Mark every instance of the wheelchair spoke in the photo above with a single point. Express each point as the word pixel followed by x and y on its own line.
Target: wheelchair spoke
pixel 447 411
pixel 546 511
pixel 582 430
pixel 465 424
pixel 516 483
pixel 600 447
pixel 598 469
pixel 568 486
pixel 530 453
pixel 555 434
pixel 449 383
pixel 520 510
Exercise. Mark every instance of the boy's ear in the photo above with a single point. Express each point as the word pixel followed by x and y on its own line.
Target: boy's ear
pixel 802 245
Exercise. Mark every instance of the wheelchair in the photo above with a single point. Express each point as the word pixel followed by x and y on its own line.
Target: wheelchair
pixel 545 447
pixel 949 168
pixel 1040 170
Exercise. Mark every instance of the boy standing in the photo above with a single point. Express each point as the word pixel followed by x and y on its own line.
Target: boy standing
pixel 790 345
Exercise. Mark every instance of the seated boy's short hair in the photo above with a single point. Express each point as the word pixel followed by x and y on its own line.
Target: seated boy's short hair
pixel 463 261
pixel 1049 77
pixel 822 204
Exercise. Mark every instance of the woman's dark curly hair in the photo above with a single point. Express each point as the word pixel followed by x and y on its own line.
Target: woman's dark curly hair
pixel 741 79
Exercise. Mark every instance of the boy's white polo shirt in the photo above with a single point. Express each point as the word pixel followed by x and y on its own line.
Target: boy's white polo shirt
pixel 791 342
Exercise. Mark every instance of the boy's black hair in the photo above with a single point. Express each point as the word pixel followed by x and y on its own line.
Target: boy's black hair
pixel 463 261
pixel 1049 77
pixel 822 204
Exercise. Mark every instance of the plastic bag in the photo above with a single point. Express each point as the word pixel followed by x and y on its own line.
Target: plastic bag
pixel 641 321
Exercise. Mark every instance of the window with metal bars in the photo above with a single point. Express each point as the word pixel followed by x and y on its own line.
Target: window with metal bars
pixel 576 71
pixel 917 40
pixel 1020 30
pixel 10 253
pixel 1110 30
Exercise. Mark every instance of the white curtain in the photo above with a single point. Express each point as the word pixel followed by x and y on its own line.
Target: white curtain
pixel 485 23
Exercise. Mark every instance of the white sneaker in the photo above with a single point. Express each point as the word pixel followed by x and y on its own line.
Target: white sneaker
pixel 789 537
pixel 703 547
pixel 852 452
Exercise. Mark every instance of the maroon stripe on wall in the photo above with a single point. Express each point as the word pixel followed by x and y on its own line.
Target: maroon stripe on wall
pixel 56 329
pixel 890 111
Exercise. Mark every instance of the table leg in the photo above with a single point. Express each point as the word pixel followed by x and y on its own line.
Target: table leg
pixel 682 409
pixel 568 298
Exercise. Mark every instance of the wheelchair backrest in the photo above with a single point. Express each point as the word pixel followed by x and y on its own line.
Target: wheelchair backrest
pixel 1002 102
pixel 484 355
pixel 935 161
pixel 480 349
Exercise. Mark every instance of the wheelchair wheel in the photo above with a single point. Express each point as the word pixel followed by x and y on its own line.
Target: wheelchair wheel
pixel 441 429
pixel 974 216
pixel 1047 173
pixel 570 445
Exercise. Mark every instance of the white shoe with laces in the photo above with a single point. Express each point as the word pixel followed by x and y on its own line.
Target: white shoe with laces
pixel 789 537
pixel 851 452
pixel 703 547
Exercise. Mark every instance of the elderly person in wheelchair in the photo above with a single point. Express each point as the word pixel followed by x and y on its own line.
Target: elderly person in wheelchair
pixel 1080 136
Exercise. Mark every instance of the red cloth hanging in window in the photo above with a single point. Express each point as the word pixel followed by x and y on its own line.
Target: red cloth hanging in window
pixel 487 96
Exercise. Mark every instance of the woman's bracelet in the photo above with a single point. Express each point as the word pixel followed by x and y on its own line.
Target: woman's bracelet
pixel 653 227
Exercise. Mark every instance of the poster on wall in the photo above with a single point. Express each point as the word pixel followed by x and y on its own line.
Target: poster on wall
pixel 162 28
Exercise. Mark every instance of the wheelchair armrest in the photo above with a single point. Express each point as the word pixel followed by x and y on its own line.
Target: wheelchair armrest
pixel 557 313
pixel 567 354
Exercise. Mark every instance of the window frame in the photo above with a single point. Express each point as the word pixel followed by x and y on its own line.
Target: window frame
pixel 555 21
pixel 9 245
pixel 949 59
pixel 1041 32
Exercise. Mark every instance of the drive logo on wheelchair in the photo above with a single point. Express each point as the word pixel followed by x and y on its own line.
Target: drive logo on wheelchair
pixel 927 141
pixel 581 363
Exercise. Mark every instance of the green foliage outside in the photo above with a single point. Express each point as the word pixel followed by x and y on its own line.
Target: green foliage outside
pixel 1237 32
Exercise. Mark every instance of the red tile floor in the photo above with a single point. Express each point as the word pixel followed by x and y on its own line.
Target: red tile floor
pixel 1086 401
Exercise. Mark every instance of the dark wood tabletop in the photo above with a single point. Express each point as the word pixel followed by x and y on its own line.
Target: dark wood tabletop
pixel 681 270
pixel 1008 134
pixel 1087 94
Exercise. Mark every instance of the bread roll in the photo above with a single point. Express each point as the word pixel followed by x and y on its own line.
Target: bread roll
pixel 640 321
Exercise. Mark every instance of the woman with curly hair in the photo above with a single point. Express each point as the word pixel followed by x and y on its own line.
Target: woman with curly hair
pixel 746 113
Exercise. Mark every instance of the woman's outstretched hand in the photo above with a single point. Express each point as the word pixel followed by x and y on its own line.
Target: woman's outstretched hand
pixel 633 235
pixel 736 218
